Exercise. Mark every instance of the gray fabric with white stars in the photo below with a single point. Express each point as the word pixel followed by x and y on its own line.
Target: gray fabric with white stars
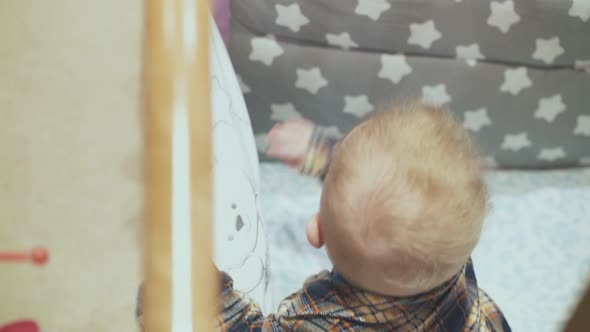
pixel 516 74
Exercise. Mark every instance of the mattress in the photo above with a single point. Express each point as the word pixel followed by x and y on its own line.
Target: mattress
pixel 533 258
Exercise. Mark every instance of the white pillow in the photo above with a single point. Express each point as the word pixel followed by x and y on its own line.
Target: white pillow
pixel 240 243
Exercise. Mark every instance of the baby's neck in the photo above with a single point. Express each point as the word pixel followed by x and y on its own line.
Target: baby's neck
pixel 397 293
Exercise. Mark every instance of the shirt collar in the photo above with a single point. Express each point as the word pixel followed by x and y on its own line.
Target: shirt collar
pixel 348 302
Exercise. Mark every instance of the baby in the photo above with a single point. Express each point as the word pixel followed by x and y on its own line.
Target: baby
pixel 402 209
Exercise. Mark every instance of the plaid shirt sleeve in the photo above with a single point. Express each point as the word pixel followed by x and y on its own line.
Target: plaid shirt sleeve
pixel 239 312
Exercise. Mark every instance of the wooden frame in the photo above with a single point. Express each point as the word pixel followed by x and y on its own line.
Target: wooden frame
pixel 178 168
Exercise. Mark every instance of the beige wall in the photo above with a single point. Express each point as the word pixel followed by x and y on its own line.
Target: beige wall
pixel 70 149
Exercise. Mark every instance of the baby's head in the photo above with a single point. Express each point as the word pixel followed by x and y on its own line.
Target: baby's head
pixel 403 202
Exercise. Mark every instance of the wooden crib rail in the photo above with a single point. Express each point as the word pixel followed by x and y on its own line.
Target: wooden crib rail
pixel 178 167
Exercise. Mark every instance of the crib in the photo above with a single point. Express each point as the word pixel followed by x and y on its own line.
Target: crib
pixel 129 154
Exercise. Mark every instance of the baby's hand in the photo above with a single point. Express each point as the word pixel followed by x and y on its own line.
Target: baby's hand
pixel 288 141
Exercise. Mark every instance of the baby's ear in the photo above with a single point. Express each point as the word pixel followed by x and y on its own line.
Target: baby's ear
pixel 314 231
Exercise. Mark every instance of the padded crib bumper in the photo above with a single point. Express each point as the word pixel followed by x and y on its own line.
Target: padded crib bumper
pixel 518 84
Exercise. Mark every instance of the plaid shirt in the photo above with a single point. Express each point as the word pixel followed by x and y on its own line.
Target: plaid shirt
pixel 328 303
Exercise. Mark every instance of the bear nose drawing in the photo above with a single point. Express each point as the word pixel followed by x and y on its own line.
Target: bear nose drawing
pixel 239 223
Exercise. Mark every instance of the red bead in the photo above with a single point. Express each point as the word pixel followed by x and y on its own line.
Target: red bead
pixel 40 256
pixel 20 326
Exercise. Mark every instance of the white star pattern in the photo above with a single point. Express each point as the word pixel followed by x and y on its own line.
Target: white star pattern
pixel 342 40
pixel 549 108
pixel 551 154
pixel 583 65
pixel 476 119
pixel 435 95
pixel 243 86
pixel 310 80
pixel 358 106
pixel 469 53
pixel 394 67
pixel 423 34
pixel 332 131
pixel 583 126
pixel 290 17
pixel 516 142
pixel 503 15
pixel 265 50
pixel 283 112
pixel 515 80
pixel 581 9
pixel 372 8
pixel 261 142
pixel 547 50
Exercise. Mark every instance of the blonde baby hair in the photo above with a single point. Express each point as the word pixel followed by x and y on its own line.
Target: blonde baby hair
pixel 404 201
